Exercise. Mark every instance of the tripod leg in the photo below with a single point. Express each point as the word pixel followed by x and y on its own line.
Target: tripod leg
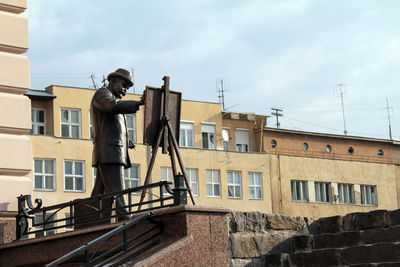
pixel 178 154
pixel 151 165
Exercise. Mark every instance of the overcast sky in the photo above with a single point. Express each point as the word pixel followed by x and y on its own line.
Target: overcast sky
pixel 285 54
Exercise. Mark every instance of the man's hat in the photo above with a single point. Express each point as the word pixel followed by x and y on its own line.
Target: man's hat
pixel 122 73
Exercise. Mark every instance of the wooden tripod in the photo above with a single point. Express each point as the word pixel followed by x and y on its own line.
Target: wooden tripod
pixel 169 145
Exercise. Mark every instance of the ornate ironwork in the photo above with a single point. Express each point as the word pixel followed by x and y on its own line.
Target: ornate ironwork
pixel 96 210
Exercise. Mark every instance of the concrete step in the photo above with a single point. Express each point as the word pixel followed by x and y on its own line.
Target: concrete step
pixel 356 221
pixel 387 252
pixel 347 239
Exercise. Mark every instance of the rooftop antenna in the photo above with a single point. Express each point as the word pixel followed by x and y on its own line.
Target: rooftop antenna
pixel 341 90
pixel 278 114
pixel 104 81
pixel 390 126
pixel 220 90
pixel 94 83
pixel 133 79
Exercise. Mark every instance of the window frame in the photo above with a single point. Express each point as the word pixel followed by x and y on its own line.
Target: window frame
pixel 46 232
pixel 372 195
pixel 346 191
pixel 210 145
pixel 239 146
pixel 213 183
pixel 169 173
pixel 183 133
pixel 70 124
pixel 304 191
pixel 234 185
pixel 74 176
pixel 132 179
pixel 191 181
pixel 323 187
pixel 255 186
pixel 36 124
pixel 130 129
pixel 44 174
pixel 227 143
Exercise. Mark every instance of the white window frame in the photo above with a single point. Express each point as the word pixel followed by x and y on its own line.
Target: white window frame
pixel 213 178
pixel 242 146
pixel 169 177
pixel 74 176
pixel 253 185
pixel 234 184
pixel 346 193
pixel 129 179
pixel 36 124
pixel 369 195
pixel 44 174
pixel 323 193
pixel 94 174
pixel 90 126
pixel 185 133
pixel 69 123
pixel 193 176
pixel 299 190
pixel 210 135
pixel 131 130
pixel 226 144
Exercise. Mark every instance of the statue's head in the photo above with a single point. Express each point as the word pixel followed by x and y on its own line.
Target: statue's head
pixel 119 81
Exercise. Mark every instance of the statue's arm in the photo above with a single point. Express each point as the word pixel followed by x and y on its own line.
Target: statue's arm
pixel 106 103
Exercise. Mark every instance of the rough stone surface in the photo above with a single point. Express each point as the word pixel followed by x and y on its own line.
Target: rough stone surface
pixel 258 262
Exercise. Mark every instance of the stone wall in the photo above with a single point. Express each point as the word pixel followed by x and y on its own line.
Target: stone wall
pixel 253 234
pixel 7 227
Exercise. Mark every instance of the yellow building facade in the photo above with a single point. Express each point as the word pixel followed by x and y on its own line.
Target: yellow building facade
pixel 232 159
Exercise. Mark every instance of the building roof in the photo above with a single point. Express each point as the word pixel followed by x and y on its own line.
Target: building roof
pixel 40 95
pixel 361 138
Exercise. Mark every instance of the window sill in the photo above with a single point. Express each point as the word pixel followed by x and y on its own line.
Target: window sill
pixel 74 191
pixel 214 196
pixel 44 190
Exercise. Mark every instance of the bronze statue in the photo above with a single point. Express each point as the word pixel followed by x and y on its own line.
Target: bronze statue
pixel 110 136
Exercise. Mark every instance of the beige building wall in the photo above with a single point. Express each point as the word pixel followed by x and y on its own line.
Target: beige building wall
pixel 15 115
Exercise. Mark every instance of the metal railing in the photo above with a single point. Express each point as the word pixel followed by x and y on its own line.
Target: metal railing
pixel 108 256
pixel 41 221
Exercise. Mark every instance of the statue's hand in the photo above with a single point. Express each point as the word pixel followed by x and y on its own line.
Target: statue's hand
pixel 131 145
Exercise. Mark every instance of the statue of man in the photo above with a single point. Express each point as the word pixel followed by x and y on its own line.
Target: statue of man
pixel 110 136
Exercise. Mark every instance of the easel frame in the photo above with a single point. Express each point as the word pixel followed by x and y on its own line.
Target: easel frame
pixel 169 145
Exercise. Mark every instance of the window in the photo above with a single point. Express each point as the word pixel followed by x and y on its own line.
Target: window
pixel 226 138
pixel 70 123
pixel 208 136
pixel 74 175
pixel 69 222
pixel 48 224
pixel 274 143
pixel 186 134
pixel 380 153
pixel 213 183
pixel 299 190
pixel 328 148
pixel 350 150
pixel 234 184
pixel 94 174
pixel 131 127
pixel 255 186
pixel 368 195
pixel 132 177
pixel 346 193
pixel 44 174
pixel 242 140
pixel 90 126
pixel 193 181
pixel 38 121
pixel 167 175
pixel 305 146
pixel 323 192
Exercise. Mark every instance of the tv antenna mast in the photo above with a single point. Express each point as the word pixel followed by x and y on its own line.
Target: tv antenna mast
pixel 220 89
pixel 94 83
pixel 278 114
pixel 341 90
pixel 390 126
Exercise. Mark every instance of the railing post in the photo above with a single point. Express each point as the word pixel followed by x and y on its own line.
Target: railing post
pixel 21 220
pixel 180 191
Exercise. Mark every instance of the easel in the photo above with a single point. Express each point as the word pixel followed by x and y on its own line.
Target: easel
pixel 169 145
